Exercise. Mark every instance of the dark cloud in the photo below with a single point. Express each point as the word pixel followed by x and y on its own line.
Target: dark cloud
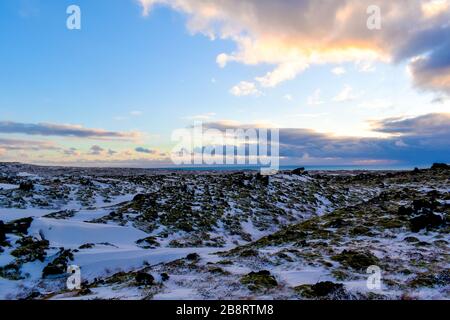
pixel 48 129
pixel 15 144
pixel 96 150
pixel 144 150
pixel 420 140
pixel 70 152
pixel 433 124
pixel 430 49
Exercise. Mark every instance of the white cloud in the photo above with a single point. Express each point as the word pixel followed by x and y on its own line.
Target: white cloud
pixel 292 35
pixel 288 97
pixel 284 71
pixel 376 104
pixel 315 98
pixel 245 88
pixel 365 66
pixel 338 71
pixel 347 94
pixel 204 116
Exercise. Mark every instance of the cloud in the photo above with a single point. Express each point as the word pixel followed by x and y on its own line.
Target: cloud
pixel 71 152
pixel 63 130
pixel 204 116
pixel 15 144
pixel 136 113
pixel 339 71
pixel 420 140
pixel 293 35
pixel 96 150
pixel 365 66
pixel 245 88
pixel 111 152
pixel 315 98
pixel 376 104
pixel 347 94
pixel 432 125
pixel 144 150
pixel 288 97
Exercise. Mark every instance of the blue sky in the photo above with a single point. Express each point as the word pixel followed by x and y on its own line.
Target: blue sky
pixel 145 75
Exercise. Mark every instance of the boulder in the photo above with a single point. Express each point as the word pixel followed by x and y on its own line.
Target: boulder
pixel 299 171
pixel 405 211
pixel 440 166
pixel 326 288
pixel 164 276
pixel 139 197
pixel 356 260
pixel 59 265
pixel 26 186
pixel 144 279
pixel 427 220
pixel 421 204
pixel 2 231
pixel 193 256
pixel 261 280
pixel 18 226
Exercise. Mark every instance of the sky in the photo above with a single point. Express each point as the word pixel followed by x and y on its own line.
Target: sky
pixel 113 92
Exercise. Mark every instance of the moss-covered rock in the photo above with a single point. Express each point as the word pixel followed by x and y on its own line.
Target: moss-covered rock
pixel 144 279
pixel 356 260
pixel 164 276
pixel 431 280
pixel 19 226
pixel 11 271
pixel 427 220
pixel 59 265
pixel 261 280
pixel 193 256
pixel 30 249
pixel 321 290
pixel 148 243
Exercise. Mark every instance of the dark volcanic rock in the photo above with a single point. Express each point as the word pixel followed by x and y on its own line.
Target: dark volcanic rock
pixel 440 166
pixel 2 231
pixel 139 197
pixel 144 279
pixel 325 288
pixel 264 179
pixel 59 265
pixel 148 243
pixel 18 226
pixel 164 276
pixel 261 280
pixel 193 256
pixel 421 204
pixel 321 290
pixel 356 260
pixel 405 211
pixel 30 249
pixel 427 220
pixel 26 186
pixel 299 171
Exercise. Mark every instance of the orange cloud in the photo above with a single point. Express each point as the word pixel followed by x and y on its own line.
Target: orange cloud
pixel 292 35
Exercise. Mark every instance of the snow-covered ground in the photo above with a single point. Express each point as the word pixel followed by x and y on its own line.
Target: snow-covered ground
pixel 207 236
